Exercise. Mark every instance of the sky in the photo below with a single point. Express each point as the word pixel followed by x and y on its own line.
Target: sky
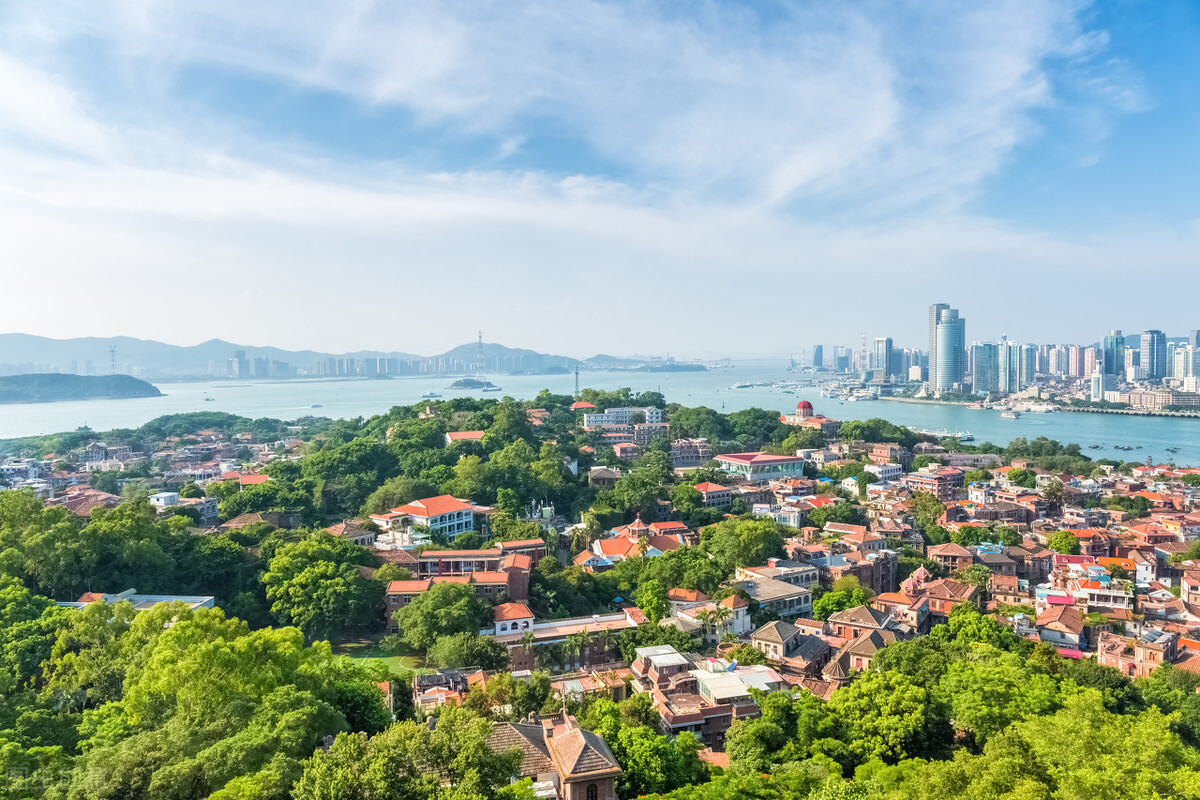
pixel 701 179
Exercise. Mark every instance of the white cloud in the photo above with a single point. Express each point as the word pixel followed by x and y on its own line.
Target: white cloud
pixel 782 174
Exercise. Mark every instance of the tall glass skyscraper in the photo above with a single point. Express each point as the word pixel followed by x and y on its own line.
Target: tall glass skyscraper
pixel 935 312
pixel 951 356
pixel 1114 353
pixel 985 362
pixel 1154 355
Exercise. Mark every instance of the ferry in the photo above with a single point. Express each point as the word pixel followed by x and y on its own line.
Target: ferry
pixel 430 395
pixel 491 389
pixel 942 433
pixel 1010 414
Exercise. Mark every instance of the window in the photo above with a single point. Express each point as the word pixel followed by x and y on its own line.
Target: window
pixel 591 791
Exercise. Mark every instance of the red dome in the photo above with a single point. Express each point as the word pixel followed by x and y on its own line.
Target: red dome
pixel 804 405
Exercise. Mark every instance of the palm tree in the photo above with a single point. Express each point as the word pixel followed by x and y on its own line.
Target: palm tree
pixel 527 640
pixel 573 646
pixel 605 639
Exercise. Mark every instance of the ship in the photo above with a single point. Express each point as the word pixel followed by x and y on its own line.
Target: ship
pixel 430 395
pixel 942 433
pixel 1010 414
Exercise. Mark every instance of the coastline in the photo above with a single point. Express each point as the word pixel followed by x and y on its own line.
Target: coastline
pixel 1129 412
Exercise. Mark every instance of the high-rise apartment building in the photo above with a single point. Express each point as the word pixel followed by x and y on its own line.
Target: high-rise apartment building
pixel 935 312
pixel 1114 353
pixel 818 357
pixel 985 367
pixel 1154 355
pixel 951 355
pixel 1075 361
pixel 1008 373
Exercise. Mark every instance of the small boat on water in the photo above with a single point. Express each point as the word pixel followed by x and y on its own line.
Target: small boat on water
pixel 491 389
pixel 1010 414
pixel 209 399
pixel 430 395
pixel 316 405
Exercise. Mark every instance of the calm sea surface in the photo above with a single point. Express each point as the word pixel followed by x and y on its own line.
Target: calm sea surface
pixel 353 398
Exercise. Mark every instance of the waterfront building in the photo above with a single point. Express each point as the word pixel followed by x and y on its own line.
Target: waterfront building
pixel 985 377
pixel 951 354
pixel 935 312
pixel 1154 355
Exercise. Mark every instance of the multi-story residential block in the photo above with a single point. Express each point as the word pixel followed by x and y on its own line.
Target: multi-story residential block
pixel 687 453
pixel 623 416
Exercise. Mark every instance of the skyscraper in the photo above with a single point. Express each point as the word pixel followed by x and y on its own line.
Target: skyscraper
pixel 935 312
pixel 818 359
pixel 985 367
pixel 882 359
pixel 1154 355
pixel 948 364
pixel 1193 339
pixel 1008 372
pixel 1114 353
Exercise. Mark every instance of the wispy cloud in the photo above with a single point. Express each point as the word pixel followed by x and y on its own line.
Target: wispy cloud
pixel 823 140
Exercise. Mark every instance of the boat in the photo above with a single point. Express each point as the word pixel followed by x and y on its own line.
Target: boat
pixel 430 395
pixel 209 399
pixel 316 405
pixel 1010 414
pixel 491 389
pixel 942 433
pixel 1093 447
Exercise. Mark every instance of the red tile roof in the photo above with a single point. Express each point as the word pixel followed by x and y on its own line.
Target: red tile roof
pixel 464 436
pixel 433 506
pixel 507 611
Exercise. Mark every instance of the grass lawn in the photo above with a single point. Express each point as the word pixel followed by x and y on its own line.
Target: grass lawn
pixel 368 647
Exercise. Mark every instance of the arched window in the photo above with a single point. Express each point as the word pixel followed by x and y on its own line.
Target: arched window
pixel 503 626
pixel 591 791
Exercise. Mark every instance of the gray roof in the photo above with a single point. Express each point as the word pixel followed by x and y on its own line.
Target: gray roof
pixel 777 632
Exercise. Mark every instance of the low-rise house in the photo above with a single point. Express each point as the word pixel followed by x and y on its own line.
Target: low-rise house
pixel 443 514
pixel 1062 626
pixel 795 650
pixel 701 695
pixel 777 596
pixel 352 531
pixel 950 556
pixel 856 655
pixel 715 495
pixel 564 761
pixel 141 602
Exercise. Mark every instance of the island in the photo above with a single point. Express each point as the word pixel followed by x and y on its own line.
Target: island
pixel 473 383
pixel 53 386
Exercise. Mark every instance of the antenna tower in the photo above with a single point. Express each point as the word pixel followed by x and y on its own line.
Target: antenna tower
pixel 576 381
pixel 479 354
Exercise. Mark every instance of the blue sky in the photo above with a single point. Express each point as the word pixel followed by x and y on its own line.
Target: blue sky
pixel 582 176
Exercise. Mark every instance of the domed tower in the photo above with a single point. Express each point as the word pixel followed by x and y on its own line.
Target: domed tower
pixel 804 410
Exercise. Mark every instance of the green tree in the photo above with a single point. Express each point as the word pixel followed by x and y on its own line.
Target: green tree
pixel 443 610
pixel 887 716
pixel 652 600
pixel 1026 479
pixel 467 649
pixel 1063 542
pixel 315 584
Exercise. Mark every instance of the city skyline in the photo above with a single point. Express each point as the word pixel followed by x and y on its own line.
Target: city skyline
pixel 542 171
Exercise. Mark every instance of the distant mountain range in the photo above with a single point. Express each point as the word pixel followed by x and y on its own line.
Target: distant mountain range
pixel 23 353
